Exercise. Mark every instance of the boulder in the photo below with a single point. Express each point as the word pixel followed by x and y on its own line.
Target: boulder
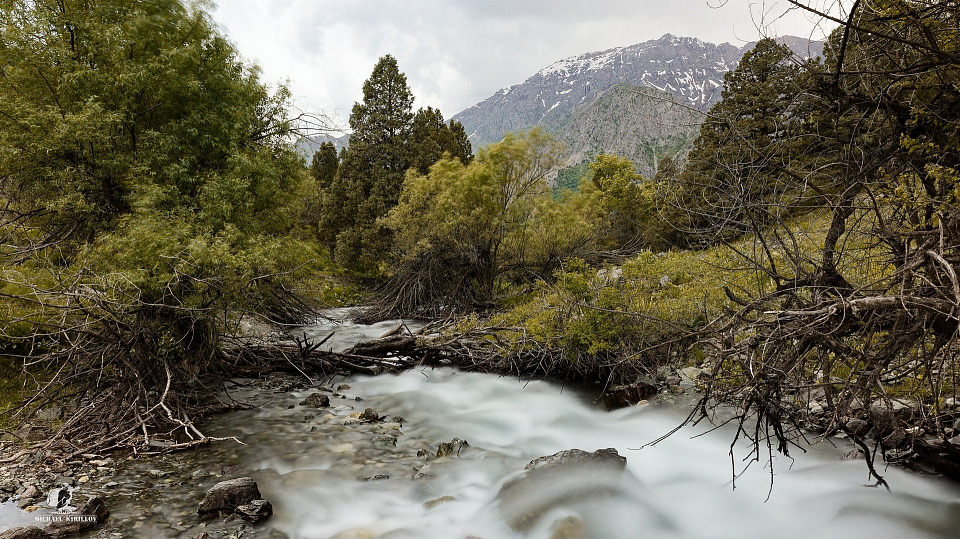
pixel 226 496
pixel 622 396
pixel 856 426
pixel 94 512
pixel 576 457
pixel 30 532
pixel 316 401
pixel 565 482
pixel 691 373
pixel 887 414
pixel 255 512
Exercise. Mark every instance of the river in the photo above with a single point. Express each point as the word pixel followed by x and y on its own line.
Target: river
pixel 328 476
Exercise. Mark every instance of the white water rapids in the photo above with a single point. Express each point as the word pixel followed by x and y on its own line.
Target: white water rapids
pixel 679 488
pixel 311 464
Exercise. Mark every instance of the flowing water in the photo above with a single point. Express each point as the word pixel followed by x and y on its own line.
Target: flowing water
pixel 329 476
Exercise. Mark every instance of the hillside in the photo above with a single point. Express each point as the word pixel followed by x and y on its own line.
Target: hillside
pixel 642 124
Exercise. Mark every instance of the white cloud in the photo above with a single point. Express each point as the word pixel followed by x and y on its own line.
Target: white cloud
pixel 458 52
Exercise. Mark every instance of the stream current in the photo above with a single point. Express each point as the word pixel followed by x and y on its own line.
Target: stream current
pixel 329 476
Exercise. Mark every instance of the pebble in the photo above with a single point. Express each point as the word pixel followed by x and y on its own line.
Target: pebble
pixel 378 477
pixel 385 441
pixel 438 501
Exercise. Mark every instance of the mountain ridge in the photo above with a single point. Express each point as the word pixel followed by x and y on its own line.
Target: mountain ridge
pixel 689 68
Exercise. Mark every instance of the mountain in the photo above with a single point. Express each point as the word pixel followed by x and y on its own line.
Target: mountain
pixel 308 145
pixel 688 68
pixel 641 123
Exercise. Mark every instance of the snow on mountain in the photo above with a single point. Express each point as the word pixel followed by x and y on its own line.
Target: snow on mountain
pixel 688 68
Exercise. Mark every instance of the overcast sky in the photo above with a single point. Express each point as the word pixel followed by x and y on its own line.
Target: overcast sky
pixel 458 52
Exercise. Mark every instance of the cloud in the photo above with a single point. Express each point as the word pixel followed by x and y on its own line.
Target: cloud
pixel 458 52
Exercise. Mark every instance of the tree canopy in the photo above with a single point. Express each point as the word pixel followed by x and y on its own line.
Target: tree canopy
pixel 387 140
pixel 148 187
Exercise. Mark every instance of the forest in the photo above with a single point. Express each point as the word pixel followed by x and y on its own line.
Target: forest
pixel 798 265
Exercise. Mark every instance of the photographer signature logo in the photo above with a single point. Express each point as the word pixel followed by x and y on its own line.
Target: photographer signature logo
pixel 59 499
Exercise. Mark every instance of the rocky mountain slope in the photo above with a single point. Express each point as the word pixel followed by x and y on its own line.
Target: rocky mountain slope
pixel 637 122
pixel 688 68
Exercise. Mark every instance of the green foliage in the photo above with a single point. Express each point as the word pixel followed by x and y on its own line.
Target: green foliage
pixel 323 169
pixel 741 158
pixel 387 140
pixel 569 178
pixel 324 165
pixel 462 232
pixel 430 139
pixel 627 203
pixel 148 189
pixel 637 310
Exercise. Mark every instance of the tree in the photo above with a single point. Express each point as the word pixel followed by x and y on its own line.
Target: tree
pixel 431 138
pixel 464 231
pixel 857 301
pixel 323 169
pixel 372 170
pixel 147 188
pixel 628 217
pixel 324 165
pixel 746 142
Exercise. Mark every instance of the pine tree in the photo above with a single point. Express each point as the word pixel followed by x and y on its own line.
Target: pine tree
pixel 737 160
pixel 372 169
pixel 325 164
pixel 431 138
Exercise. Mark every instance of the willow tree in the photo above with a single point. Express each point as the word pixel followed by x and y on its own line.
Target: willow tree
pixel 147 187
pixel 464 232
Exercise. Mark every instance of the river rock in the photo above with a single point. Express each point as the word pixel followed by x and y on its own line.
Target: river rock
pixel 29 532
pixel 570 527
pixel 226 496
pixel 609 457
pixel 385 441
pixel 316 401
pixel 94 507
pixel 29 495
pixel 628 395
pixel 438 501
pixel 453 447
pixel 378 477
pixel 370 415
pixel 562 482
pixel 255 512
pixel 887 414
pixel 857 426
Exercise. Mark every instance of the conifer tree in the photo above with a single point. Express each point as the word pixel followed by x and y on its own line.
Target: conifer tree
pixel 745 142
pixel 431 138
pixel 324 165
pixel 372 169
